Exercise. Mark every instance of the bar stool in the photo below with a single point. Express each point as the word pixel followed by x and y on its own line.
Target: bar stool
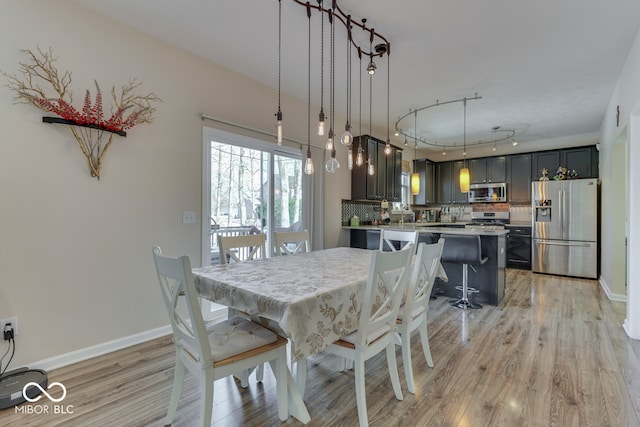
pixel 465 250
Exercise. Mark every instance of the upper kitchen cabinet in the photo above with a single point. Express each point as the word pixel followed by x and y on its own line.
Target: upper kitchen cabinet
pixel 426 169
pixel 519 178
pixel 386 182
pixel 584 160
pixel 488 169
pixel 448 183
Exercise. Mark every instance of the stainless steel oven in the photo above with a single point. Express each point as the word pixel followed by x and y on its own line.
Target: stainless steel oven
pixel 488 193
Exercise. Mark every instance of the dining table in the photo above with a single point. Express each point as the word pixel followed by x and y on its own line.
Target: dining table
pixel 312 298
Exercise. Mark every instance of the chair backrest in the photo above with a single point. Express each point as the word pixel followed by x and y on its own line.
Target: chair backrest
pixel 175 278
pixel 291 242
pixel 423 275
pixel 386 284
pixel 242 248
pixel 388 238
pixel 461 249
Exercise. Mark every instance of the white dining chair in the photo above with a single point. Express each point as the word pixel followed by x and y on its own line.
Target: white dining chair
pixel 291 242
pixel 242 248
pixel 386 284
pixel 413 313
pixel 389 238
pixel 213 351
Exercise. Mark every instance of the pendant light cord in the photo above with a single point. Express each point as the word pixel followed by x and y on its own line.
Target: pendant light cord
pixel 309 89
pixel 321 57
pixel 279 47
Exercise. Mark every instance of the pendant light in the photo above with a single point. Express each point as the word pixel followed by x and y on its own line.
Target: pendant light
pixel 360 154
pixel 464 172
pixel 371 68
pixel 347 137
pixel 279 113
pixel 308 164
pixel 370 167
pixel 387 145
pixel 332 164
pixel 321 116
pixel 415 176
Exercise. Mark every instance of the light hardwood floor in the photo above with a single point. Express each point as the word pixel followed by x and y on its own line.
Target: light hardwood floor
pixel 552 354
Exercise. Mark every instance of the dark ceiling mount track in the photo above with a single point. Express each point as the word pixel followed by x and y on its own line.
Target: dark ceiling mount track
pixel 380 48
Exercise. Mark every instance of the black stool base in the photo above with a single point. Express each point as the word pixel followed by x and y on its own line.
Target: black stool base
pixel 464 304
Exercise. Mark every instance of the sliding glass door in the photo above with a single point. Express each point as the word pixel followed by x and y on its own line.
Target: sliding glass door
pixel 250 186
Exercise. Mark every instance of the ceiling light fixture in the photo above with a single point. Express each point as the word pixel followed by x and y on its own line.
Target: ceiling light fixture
pixel 464 172
pixel 335 16
pixel 279 113
pixel 360 154
pixel 332 164
pixel 387 145
pixel 415 177
pixel 321 116
pixel 347 137
pixel 308 164
pixel 370 168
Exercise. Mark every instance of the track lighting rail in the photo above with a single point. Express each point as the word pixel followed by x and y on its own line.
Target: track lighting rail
pixel 379 49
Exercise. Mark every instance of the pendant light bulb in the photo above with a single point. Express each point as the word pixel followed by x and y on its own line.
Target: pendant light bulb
pixel 371 68
pixel 359 157
pixel 387 147
pixel 279 127
pixel 308 164
pixel 350 158
pixel 332 164
pixel 329 145
pixel 321 123
pixel 347 137
pixel 370 169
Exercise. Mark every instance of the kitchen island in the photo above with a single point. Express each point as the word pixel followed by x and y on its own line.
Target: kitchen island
pixel 489 278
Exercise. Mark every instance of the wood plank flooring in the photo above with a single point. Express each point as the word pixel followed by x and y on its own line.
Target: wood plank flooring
pixel 552 354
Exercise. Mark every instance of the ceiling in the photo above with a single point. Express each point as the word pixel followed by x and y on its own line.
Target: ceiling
pixel 545 69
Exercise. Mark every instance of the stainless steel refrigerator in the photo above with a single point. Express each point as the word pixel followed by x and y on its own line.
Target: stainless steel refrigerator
pixel 565 227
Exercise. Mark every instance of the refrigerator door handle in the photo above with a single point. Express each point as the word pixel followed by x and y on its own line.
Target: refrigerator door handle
pixel 562 213
pixel 561 243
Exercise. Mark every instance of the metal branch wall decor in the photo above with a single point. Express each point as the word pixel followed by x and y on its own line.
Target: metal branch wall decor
pixel 39 83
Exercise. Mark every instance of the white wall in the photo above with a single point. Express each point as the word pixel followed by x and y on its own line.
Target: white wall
pixel 627 97
pixel 75 252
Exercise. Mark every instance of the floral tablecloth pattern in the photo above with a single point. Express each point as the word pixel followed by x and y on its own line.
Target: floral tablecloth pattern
pixel 314 298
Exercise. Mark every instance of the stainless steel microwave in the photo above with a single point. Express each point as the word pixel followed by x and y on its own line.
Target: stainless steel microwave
pixel 488 193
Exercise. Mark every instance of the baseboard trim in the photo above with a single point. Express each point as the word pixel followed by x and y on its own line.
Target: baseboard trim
pixel 610 295
pixel 100 349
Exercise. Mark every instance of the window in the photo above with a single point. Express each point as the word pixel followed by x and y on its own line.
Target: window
pixel 252 187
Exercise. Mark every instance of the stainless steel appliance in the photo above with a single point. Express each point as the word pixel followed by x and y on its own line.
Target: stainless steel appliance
pixel 565 227
pixel 492 220
pixel 488 193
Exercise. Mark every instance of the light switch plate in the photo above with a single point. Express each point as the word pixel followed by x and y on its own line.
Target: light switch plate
pixel 188 217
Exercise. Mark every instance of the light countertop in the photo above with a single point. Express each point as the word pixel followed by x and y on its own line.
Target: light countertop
pixel 432 227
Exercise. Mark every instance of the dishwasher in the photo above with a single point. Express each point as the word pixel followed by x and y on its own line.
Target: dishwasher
pixel 519 247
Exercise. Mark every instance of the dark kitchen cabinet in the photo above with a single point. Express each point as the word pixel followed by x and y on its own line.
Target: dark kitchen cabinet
pixel 584 160
pixel 488 169
pixel 426 170
pixel 519 178
pixel 386 182
pixel 448 183
pixel 549 160
pixel 443 182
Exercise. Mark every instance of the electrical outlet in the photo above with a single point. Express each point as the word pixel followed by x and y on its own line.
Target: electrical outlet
pixel 14 325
